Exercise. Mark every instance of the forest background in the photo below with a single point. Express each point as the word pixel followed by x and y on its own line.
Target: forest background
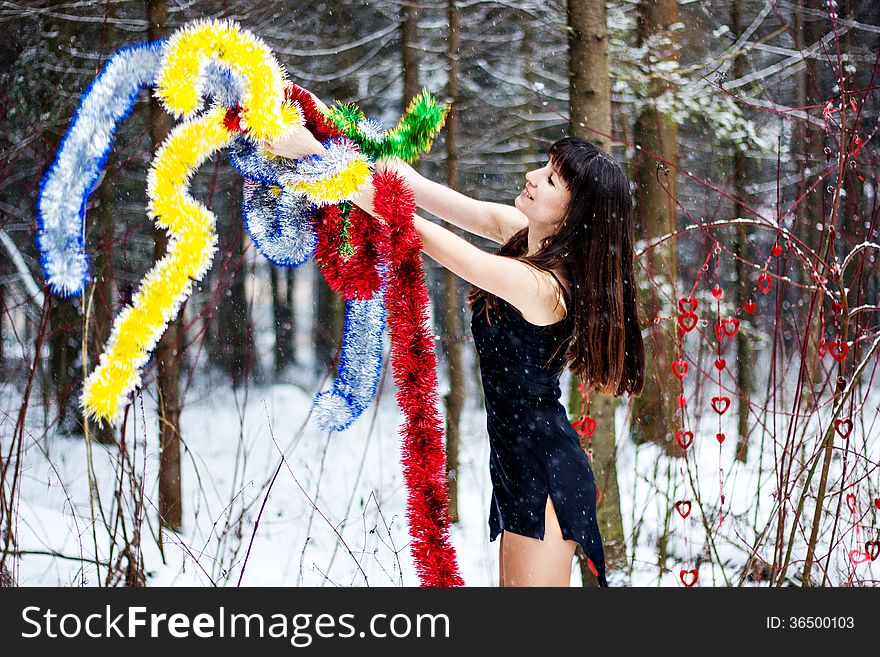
pixel 749 130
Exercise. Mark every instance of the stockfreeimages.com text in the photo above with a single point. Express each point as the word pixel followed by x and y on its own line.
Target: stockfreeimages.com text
pixel 300 629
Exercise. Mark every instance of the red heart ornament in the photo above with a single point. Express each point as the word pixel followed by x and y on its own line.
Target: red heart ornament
pixel 687 305
pixel 720 404
pixel 838 350
pixel 687 321
pixel 838 307
pixel 764 282
pixel 857 556
pixel 872 548
pixel 682 401
pixel 719 332
pixel 720 363
pixel 679 369
pixel 843 427
pixel 821 348
pixel 684 438
pixel 776 250
pixel 750 307
pixel 730 325
pixel 585 426
pixel 592 567
pixel 719 437
pixel 683 507
pixel 717 291
pixel 851 502
pixel 685 575
pixel 877 502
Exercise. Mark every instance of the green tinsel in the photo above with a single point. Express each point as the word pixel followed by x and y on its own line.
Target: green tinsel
pixel 346 250
pixel 413 135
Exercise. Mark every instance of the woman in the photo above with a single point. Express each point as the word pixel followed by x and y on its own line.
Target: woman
pixel 560 291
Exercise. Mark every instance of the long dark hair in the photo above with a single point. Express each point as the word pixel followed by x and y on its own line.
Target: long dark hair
pixel 594 249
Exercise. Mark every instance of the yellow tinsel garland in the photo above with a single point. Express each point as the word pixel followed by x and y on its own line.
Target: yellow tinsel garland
pixel 190 224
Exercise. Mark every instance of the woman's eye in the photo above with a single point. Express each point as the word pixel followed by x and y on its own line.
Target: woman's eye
pixel 550 180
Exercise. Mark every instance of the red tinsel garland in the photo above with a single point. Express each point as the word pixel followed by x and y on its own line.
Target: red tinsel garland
pixel 322 127
pixel 355 276
pixel 415 372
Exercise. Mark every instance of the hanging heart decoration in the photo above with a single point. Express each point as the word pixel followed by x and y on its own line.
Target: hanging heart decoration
pixel 857 556
pixel 720 404
pixel 730 326
pixel 687 322
pixel 843 427
pixel 719 437
pixel 873 549
pixel 838 350
pixel 750 307
pixel 679 369
pixel 720 363
pixel 585 426
pixel 764 282
pixel 776 250
pixel 683 507
pixel 688 577
pixel 684 438
pixel 717 291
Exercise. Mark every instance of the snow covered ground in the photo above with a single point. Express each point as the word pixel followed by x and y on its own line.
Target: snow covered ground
pixel 335 514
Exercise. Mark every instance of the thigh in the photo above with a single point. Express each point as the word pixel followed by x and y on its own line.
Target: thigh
pixel 501 561
pixel 527 561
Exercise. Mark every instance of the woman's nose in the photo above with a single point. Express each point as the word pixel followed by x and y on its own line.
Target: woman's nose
pixel 530 177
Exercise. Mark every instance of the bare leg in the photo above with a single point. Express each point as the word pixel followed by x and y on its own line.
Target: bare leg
pixel 501 561
pixel 526 561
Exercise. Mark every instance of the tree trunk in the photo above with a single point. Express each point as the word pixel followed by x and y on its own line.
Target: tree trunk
pixel 327 325
pixel 167 349
pixel 744 375
pixel 409 52
pixel 452 319
pixel 654 412
pixel 590 107
pixel 103 308
pixel 235 332
pixel 809 144
pixel 282 314
pixel 65 323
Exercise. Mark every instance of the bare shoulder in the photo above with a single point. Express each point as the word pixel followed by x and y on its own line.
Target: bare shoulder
pixel 542 300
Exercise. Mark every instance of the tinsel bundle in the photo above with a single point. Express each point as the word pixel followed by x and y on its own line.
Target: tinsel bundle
pixel 190 224
pixel 190 250
pixel 412 136
pixel 293 210
pixel 76 170
pixel 415 371
pixel 346 251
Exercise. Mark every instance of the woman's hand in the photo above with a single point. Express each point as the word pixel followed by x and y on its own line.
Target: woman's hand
pixel 296 143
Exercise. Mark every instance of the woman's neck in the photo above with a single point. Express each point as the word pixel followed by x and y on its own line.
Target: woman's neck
pixel 536 237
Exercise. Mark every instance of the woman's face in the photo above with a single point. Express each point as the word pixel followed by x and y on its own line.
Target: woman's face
pixel 545 197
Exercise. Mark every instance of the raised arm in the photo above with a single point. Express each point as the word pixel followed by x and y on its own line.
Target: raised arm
pixel 531 291
pixel 494 221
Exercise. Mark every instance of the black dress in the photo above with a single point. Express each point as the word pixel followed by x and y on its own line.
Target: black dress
pixel 533 449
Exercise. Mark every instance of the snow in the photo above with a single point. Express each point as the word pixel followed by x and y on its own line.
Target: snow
pixel 335 515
